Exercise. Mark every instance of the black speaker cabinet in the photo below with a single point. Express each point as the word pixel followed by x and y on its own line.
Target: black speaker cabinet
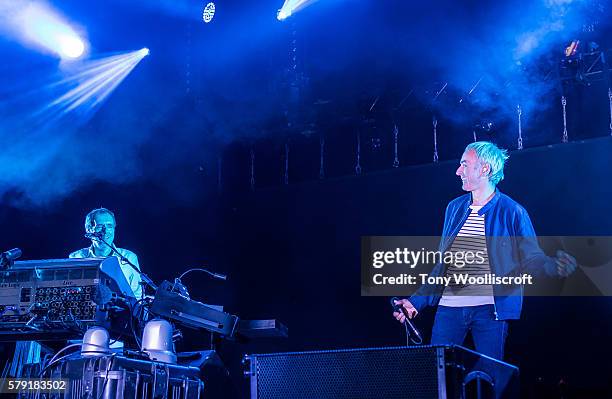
pixel 398 372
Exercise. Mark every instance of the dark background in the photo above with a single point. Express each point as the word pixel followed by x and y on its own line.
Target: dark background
pixel 292 253
pixel 169 152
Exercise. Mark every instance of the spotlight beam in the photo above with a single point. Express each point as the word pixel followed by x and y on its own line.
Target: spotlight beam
pixel 89 85
pixel 84 92
pixel 38 25
pixel 291 6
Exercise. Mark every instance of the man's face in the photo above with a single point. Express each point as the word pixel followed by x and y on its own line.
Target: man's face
pixel 472 172
pixel 104 220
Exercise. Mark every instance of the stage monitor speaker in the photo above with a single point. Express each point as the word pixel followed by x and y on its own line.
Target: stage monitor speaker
pixel 398 372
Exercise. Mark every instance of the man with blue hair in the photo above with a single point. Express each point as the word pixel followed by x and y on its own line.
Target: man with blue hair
pixel 483 219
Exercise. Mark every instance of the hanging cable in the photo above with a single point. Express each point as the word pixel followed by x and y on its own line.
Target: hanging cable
pixel 57 358
pixel 519 112
pixel 286 177
pixel 395 137
pixel 435 138
pixel 188 47
pixel 610 99
pixel 410 339
pixel 564 103
pixel 322 157
pixel 136 316
pixel 219 165
pixel 252 169
pixel 358 165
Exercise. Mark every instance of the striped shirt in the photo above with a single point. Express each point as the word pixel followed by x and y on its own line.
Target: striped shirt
pixel 471 238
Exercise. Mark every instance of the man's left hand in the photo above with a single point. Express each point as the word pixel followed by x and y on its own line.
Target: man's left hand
pixel 566 263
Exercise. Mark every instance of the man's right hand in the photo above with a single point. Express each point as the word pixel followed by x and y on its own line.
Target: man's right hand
pixel 410 309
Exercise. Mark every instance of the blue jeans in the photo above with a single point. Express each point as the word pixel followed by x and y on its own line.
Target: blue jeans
pixel 452 324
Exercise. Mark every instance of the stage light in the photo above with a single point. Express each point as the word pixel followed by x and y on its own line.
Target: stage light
pixel 209 12
pixel 87 84
pixel 70 46
pixel 39 25
pixel 283 14
pixel 290 7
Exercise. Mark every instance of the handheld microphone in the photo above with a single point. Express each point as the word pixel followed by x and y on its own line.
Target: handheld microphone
pixel 400 308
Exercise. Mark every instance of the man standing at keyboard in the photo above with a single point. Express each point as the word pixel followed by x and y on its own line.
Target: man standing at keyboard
pixel 483 219
pixel 102 221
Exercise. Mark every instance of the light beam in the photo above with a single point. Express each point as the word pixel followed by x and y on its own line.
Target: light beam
pixel 89 83
pixel 36 24
pixel 290 7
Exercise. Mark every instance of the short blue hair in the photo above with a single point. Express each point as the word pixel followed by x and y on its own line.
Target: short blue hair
pixel 491 154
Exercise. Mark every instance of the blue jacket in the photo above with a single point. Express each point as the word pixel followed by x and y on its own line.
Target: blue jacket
pixel 511 245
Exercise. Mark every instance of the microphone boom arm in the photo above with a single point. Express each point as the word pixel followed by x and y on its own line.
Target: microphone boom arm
pixel 146 279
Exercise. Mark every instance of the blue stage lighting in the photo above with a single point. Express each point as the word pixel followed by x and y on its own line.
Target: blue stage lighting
pixel 70 46
pixel 290 7
pixel 39 25
pixel 209 12
pixel 283 14
pixel 88 84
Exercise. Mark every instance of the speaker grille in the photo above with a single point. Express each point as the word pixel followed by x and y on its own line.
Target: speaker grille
pixel 359 373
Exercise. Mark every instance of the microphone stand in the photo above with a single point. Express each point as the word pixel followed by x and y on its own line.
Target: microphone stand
pixel 145 279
